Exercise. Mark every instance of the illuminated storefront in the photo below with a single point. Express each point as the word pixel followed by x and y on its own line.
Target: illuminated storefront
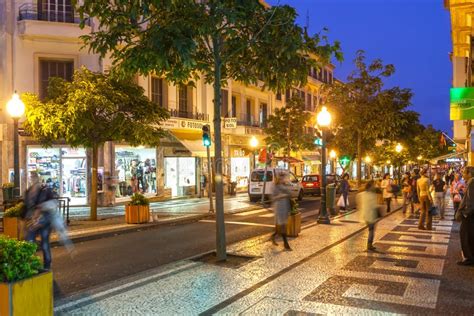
pixel 180 175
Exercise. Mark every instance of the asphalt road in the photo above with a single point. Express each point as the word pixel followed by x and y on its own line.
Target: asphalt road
pixel 103 260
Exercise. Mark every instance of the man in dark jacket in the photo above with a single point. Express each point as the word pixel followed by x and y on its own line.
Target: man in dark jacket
pixel 465 214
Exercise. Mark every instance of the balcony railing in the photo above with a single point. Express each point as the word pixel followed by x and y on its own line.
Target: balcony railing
pixel 249 120
pixel 189 115
pixel 29 11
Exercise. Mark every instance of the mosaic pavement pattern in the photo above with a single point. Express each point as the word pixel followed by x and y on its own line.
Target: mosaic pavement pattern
pixel 329 272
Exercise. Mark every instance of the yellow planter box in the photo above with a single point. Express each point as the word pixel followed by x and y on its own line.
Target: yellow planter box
pixel 137 214
pixel 13 227
pixel 33 296
pixel 294 225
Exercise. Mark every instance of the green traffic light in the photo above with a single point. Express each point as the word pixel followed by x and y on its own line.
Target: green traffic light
pixel 206 141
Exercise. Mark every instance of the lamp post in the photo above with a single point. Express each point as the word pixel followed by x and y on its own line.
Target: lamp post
pixel 398 149
pixel 323 119
pixel 16 109
pixel 253 145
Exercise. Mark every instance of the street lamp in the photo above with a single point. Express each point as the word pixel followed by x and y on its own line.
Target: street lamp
pixel 16 109
pixel 332 154
pixel 253 145
pixel 323 119
pixel 399 148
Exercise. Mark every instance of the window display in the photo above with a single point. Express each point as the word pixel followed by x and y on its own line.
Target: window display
pixel 180 175
pixel 240 170
pixel 135 170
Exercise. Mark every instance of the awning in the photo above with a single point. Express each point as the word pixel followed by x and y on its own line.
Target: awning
pixel 444 157
pixel 289 159
pixel 193 142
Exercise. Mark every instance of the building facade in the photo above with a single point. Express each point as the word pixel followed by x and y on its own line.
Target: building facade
pixel 40 39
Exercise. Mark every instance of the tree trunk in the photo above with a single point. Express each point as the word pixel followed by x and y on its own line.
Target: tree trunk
pixel 93 192
pixel 359 158
pixel 220 226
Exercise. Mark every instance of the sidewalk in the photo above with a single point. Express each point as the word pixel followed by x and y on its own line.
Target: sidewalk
pixel 328 272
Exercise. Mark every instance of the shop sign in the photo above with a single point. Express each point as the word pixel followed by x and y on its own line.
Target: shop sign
pixel 453 160
pixel 175 123
pixel 238 153
pixel 461 104
pixel 230 122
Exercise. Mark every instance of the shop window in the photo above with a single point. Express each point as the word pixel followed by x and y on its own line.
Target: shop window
pixel 240 170
pixel 180 175
pixel 135 171
pixel 157 91
pixel 53 68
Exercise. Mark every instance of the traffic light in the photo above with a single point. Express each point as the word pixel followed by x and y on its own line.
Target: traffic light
pixel 318 142
pixel 206 136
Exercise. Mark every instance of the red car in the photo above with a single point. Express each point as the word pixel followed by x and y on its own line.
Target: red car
pixel 311 184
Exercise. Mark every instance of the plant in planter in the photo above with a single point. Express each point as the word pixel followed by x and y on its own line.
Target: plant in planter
pixel 137 211
pixel 7 189
pixel 24 288
pixel 294 221
pixel 12 223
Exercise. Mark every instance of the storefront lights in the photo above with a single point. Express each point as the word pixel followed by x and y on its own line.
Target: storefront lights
pixel 15 107
pixel 254 142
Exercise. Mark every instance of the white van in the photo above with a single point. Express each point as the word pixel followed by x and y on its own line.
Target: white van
pixel 257 178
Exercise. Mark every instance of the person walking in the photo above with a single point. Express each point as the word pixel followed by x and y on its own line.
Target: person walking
pixel 457 190
pixel 423 190
pixel 38 218
pixel 439 187
pixel 387 194
pixel 415 200
pixel 465 214
pixel 281 207
pixel 406 191
pixel 345 188
pixel 367 203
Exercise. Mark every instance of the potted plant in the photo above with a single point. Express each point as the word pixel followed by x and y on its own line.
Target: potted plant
pixel 13 225
pixel 294 221
pixel 137 211
pixel 24 288
pixel 7 189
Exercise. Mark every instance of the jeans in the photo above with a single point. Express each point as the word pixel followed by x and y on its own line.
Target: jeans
pixel 425 204
pixel 387 201
pixel 371 234
pixel 44 231
pixel 406 200
pixel 345 195
pixel 439 202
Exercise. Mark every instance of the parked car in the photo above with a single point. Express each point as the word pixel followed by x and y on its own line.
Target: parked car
pixel 311 184
pixel 257 180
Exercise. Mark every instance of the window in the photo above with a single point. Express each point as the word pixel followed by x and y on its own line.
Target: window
pixel 54 68
pixel 330 77
pixel 314 178
pixel 257 176
pixel 234 106
pixel 157 91
pixel 56 11
pixel 224 103
pixel 185 100
pixel 249 111
pixel 308 102
pixel 263 114
pixel 278 96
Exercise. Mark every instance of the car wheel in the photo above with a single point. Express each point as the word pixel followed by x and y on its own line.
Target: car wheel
pixel 300 195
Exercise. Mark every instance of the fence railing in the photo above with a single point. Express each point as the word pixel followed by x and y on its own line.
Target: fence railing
pixel 29 11
pixel 190 115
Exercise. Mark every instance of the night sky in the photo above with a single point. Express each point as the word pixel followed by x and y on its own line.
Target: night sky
pixel 414 35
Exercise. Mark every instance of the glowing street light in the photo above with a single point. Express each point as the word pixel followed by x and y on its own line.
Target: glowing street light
pixel 324 120
pixel 419 157
pixel 399 148
pixel 388 162
pixel 16 109
pixel 332 154
pixel 254 142
pixel 368 159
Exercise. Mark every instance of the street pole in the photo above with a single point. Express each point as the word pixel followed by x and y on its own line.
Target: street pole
pixel 16 159
pixel 265 176
pixel 323 214
pixel 209 182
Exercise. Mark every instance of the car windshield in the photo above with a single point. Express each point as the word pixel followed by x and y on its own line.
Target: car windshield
pixel 257 176
pixel 310 178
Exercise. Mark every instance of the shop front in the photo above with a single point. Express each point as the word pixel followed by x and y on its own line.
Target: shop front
pixel 63 169
pixel 180 175
pixel 135 171
pixel 240 168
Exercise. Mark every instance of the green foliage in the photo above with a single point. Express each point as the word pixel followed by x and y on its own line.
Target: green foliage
pixel 8 185
pixel 92 109
pixel 18 260
pixel 286 128
pixel 14 211
pixel 426 144
pixel 139 199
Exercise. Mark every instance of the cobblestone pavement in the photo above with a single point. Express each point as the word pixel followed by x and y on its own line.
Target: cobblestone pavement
pixel 328 272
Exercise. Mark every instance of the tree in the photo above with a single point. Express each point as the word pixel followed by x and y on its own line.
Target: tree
pixel 364 112
pixel 218 39
pixel 92 109
pixel 427 144
pixel 286 128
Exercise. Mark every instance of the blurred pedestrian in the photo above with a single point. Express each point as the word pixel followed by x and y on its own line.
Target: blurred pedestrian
pixel 281 207
pixel 406 190
pixel 367 203
pixel 345 188
pixel 415 200
pixel 457 190
pixel 465 214
pixel 423 190
pixel 387 188
pixel 439 187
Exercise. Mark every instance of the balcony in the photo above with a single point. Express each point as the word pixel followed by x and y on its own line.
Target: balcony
pixel 189 115
pixel 250 120
pixel 48 24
